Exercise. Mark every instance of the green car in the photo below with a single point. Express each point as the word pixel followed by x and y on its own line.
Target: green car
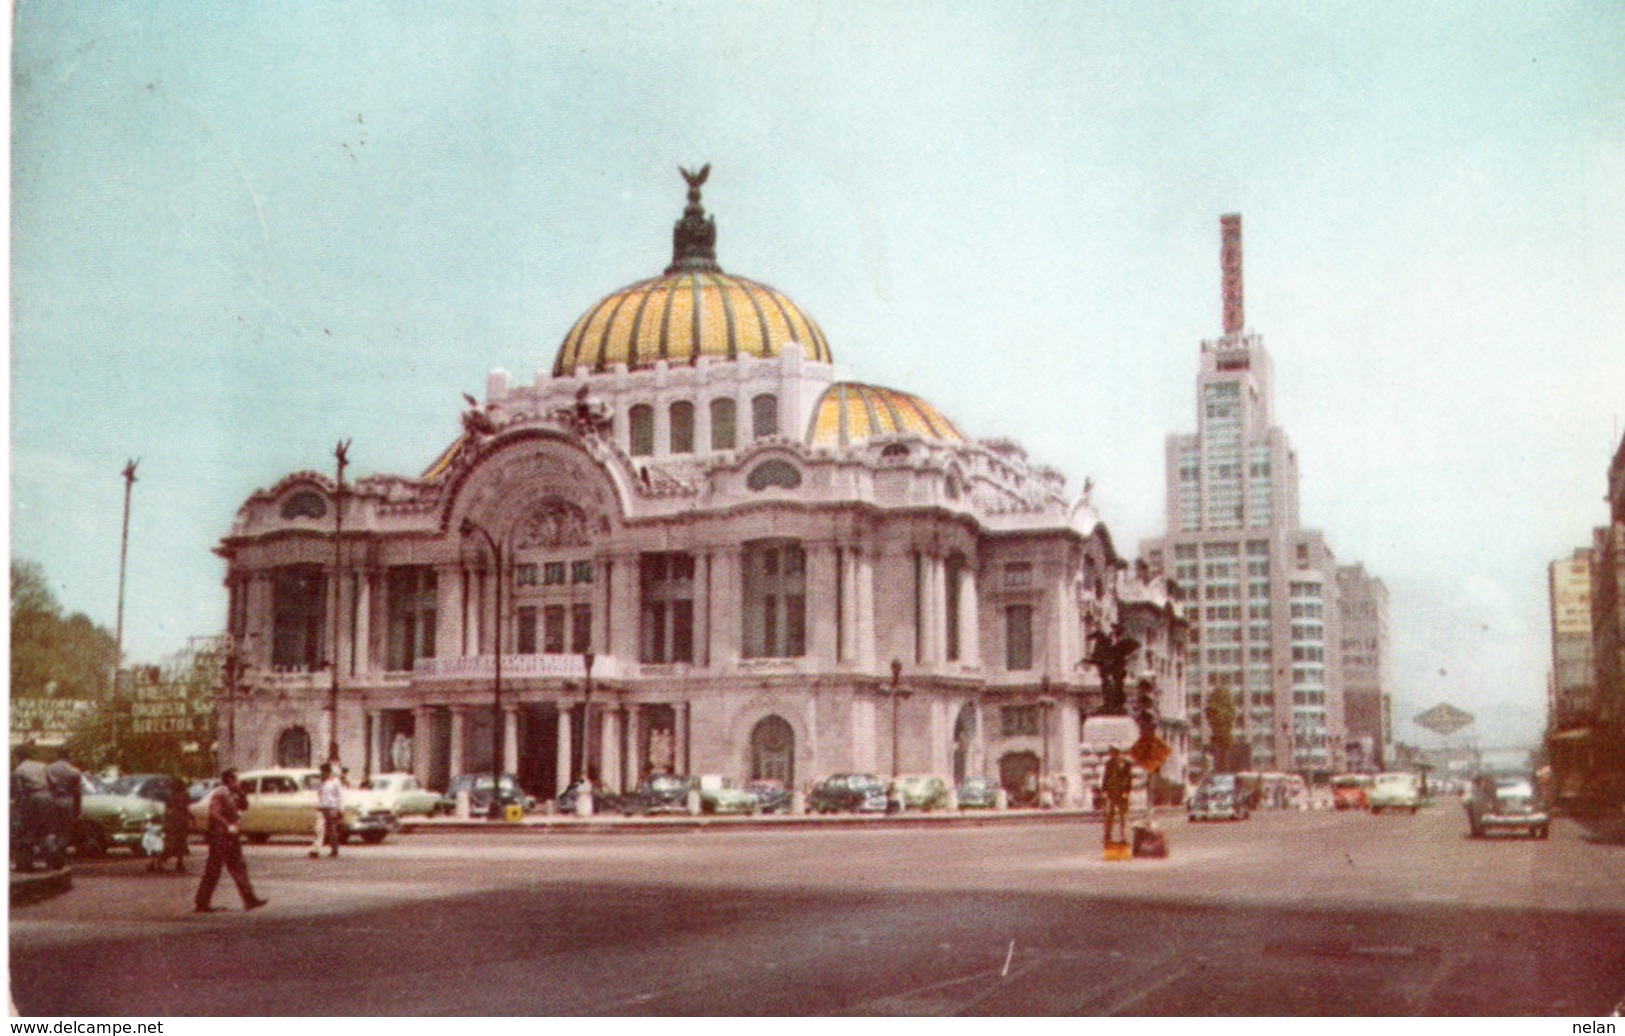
pixel 115 814
pixel 922 791
pixel 401 792
pixel 719 794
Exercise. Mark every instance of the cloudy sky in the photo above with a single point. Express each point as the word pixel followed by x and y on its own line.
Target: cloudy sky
pixel 242 232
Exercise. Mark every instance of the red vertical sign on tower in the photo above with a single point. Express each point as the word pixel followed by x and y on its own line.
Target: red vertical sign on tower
pixel 1230 261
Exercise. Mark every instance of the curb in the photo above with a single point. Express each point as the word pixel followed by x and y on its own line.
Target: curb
pixel 615 824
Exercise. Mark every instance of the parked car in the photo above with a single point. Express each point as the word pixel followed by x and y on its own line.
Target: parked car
pixel 922 791
pixel 603 800
pixel 403 794
pixel 771 795
pixel 1394 791
pixel 720 794
pixel 657 793
pixel 1349 790
pixel 478 786
pixel 1220 796
pixel 114 815
pixel 849 793
pixel 1506 802
pixel 978 793
pixel 283 802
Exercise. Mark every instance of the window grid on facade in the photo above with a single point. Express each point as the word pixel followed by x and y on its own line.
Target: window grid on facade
pixel 775 599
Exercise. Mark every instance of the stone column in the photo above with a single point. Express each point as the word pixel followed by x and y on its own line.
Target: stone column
pixel 623 607
pixel 566 751
pixel 259 626
pixel 820 605
pixel 423 744
pixel 609 748
pixel 727 584
pixel 470 611
pixel 448 634
pixel 510 738
pixel 680 752
pixel 361 653
pixel 633 769
pixel 703 589
pixel 866 635
pixel 970 626
pixel 459 716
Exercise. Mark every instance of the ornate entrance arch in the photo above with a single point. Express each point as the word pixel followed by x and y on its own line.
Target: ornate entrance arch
pixel 773 751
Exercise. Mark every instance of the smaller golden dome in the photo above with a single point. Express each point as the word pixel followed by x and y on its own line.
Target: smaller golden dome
pixel 849 413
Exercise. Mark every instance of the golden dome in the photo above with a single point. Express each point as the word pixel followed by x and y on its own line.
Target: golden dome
pixel 849 413
pixel 692 310
pixel 683 316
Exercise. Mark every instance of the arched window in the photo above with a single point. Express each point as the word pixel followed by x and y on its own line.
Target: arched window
pixel 764 416
pixel 773 751
pixel 293 748
pixel 682 427
pixel 723 436
pixel 773 473
pixel 642 417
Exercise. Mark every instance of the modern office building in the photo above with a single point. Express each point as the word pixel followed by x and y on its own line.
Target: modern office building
pixel 685 545
pixel 1362 631
pixel 1573 674
pixel 1261 592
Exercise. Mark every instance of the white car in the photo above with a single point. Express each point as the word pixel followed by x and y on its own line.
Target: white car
pixel 283 802
pixel 402 793
pixel 1394 791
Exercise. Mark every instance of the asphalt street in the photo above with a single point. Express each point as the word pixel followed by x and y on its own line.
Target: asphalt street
pixel 1286 914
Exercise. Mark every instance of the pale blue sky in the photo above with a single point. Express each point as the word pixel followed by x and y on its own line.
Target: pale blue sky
pixel 243 232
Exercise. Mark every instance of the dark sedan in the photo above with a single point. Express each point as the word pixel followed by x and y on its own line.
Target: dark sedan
pixel 978 793
pixel 849 793
pixel 771 796
pixel 661 793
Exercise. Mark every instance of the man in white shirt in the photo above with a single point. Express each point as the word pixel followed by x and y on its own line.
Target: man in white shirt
pixel 329 813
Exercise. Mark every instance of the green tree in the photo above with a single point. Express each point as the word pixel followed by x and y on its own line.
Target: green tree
pixel 1220 716
pixel 52 654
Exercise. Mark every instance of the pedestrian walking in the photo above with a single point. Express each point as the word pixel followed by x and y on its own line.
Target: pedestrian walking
pixel 67 785
pixel 33 806
pixel 329 813
pixel 177 827
pixel 226 804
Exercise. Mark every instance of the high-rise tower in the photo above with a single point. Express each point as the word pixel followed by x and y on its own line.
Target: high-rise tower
pixel 1259 590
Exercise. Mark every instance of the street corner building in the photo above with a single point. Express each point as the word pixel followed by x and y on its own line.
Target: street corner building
pixel 686 547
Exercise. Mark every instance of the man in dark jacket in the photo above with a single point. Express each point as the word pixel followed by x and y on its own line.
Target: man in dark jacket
pixel 226 804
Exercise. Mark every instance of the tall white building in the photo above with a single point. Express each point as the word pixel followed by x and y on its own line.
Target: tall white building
pixel 1260 591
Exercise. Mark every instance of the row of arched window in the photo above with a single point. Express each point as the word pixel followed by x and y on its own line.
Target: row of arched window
pixel 764 421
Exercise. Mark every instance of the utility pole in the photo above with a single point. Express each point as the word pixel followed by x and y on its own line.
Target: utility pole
pixel 118 633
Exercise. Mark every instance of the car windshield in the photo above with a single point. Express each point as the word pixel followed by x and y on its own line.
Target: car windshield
pixel 135 784
pixel 379 784
pixel 92 786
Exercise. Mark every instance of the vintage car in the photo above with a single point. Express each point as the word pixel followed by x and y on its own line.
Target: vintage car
pixel 1506 802
pixel 719 795
pixel 657 793
pixel 478 787
pixel 922 791
pixel 771 795
pixel 283 802
pixel 1220 796
pixel 1349 789
pixel 115 814
pixel 1394 791
pixel 978 793
pixel 402 793
pixel 849 793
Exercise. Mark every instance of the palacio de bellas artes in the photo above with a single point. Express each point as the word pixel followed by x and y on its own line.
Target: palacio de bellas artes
pixel 686 547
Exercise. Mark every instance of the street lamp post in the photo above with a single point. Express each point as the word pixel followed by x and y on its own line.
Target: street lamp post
pixel 1045 703
pixel 495 812
pixel 897 696
pixel 341 454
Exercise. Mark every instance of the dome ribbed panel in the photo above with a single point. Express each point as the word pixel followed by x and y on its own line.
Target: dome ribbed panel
pixel 848 413
pixel 684 316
